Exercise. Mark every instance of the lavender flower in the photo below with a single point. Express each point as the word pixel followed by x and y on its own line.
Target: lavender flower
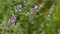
pixel 18 8
pixel 13 17
pixel 12 20
pixel 34 10
pixel 25 2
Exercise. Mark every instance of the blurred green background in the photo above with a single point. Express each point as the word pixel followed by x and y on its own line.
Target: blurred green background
pixel 45 21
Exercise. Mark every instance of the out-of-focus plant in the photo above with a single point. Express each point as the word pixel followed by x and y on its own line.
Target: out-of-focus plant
pixel 29 16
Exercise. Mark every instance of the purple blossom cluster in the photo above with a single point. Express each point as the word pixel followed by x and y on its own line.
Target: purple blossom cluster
pixel 12 20
pixel 34 10
pixel 18 8
pixel 25 2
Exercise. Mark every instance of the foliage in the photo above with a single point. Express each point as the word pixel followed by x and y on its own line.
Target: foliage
pixel 29 16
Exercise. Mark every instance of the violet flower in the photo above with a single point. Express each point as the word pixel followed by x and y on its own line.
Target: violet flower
pixel 12 20
pixel 18 8
pixel 34 10
pixel 25 2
